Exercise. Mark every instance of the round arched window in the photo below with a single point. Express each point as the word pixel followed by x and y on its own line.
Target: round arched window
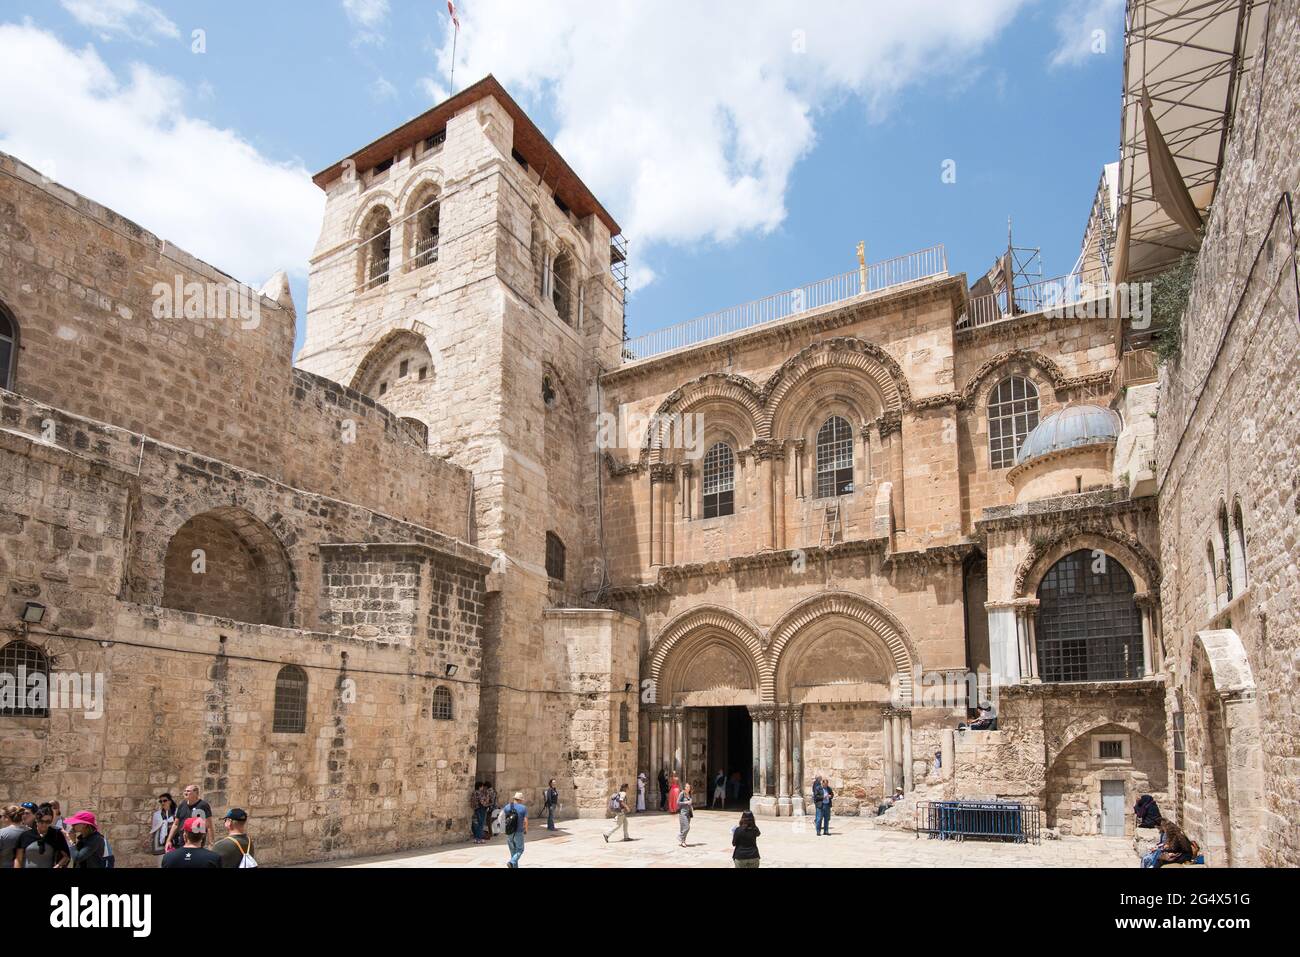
pixel 1089 627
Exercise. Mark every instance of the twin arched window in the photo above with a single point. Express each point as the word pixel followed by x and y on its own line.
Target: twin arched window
pixel 719 481
pixel 834 458
pixel 1013 414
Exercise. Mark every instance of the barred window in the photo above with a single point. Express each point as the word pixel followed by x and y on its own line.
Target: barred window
pixel 442 709
pixel 624 724
pixel 834 458
pixel 290 701
pixel 719 481
pixel 425 250
pixel 1089 627
pixel 554 556
pixel 8 349
pixel 1180 741
pixel 1013 413
pixel 19 661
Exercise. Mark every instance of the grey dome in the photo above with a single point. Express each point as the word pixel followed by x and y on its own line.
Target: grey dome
pixel 1073 426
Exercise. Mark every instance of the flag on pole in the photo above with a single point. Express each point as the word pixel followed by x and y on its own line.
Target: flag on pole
pixel 451 8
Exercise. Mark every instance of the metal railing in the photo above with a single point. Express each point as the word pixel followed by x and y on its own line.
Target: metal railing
pixel 1026 300
pixel 923 264
pixel 993 820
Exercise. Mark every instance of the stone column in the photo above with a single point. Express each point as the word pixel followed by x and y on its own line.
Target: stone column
pixel 770 731
pixel 905 721
pixel 796 760
pixel 896 736
pixel 891 430
pixel 783 761
pixel 679 743
pixel 779 493
pixel 755 781
pixel 887 749
pixel 1031 619
pixel 1022 643
pixel 656 753
pixel 763 459
pixel 1143 601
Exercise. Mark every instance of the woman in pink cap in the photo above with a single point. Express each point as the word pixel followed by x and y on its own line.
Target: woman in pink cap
pixel 88 848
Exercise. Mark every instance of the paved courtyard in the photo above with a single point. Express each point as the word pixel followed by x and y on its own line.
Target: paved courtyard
pixel 787 842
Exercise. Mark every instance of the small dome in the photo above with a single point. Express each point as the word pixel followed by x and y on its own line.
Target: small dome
pixel 1073 426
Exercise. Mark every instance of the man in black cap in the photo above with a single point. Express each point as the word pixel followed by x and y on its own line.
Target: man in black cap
pixel 236 848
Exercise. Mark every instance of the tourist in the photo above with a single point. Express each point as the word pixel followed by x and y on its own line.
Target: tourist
pixel 477 815
pixel 663 790
pixel 1146 812
pixel 236 848
pixel 938 761
pixel 29 814
pixel 1174 846
pixel 58 815
pixel 642 779
pixel 44 845
pixel 618 807
pixel 550 801
pixel 987 720
pixel 515 823
pixel 492 813
pixel 193 853
pixel 820 808
pixel 744 841
pixel 674 794
pixel 685 811
pixel 889 802
pixel 89 849
pixel 161 824
pixel 10 835
pixel 719 789
pixel 828 793
pixel 193 805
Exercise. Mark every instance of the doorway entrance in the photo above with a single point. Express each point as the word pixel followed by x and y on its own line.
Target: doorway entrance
pixel 1112 808
pixel 729 747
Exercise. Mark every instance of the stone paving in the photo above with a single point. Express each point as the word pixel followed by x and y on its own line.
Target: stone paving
pixel 787 842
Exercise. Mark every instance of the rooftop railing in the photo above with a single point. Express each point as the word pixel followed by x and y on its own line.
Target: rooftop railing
pixel 874 277
pixel 1025 300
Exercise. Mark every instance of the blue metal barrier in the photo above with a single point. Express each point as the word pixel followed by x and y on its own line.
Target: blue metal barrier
pixel 990 820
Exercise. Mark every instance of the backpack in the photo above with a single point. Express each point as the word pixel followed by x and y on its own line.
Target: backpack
pixel 247 859
pixel 616 803
pixel 512 819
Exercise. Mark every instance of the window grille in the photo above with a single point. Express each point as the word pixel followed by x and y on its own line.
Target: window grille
pixel 719 481
pixel 19 660
pixel 290 701
pixel 554 556
pixel 1013 414
pixel 834 458
pixel 442 705
pixel 1088 628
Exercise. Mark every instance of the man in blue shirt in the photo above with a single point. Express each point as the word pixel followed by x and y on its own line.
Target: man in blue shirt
pixel 516 826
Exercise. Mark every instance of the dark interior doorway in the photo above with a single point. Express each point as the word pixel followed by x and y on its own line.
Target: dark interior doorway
pixel 730 748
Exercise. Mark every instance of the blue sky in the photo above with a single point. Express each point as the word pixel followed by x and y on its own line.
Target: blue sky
pixel 745 149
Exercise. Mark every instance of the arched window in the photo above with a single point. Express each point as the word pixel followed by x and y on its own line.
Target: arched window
pixel 1225 545
pixel 425 212
pixel 1013 413
pixel 1239 549
pixel 554 556
pixel 719 481
pixel 27 671
pixel 442 706
pixel 1089 628
pixel 834 458
pixel 624 724
pixel 290 701
pixel 1211 582
pixel 376 249
pixel 562 286
pixel 8 349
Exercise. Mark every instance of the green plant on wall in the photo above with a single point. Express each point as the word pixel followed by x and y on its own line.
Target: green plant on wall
pixel 1169 293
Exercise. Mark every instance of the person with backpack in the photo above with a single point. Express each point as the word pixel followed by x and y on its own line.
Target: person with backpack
pixel 551 802
pixel 515 823
pixel 618 807
pixel 236 848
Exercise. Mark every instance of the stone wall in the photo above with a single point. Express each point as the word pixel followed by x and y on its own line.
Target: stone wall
pixel 1229 437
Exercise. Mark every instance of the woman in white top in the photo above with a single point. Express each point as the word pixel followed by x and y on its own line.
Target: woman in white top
pixel 640 791
pixel 161 825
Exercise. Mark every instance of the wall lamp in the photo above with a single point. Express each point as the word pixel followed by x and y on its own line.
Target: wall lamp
pixel 451 671
pixel 33 613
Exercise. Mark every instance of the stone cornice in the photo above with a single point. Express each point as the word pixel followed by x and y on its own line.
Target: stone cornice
pixel 1063 508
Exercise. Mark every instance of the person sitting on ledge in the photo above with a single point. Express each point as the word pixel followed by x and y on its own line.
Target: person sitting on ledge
pixel 1146 811
pixel 987 720
pixel 1174 847
pixel 889 801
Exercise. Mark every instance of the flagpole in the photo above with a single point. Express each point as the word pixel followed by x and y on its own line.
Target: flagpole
pixel 451 83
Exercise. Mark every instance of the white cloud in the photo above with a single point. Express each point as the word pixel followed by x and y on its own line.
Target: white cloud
pixel 130 145
pixel 381 89
pixel 1085 28
pixel 688 123
pixel 125 18
pixel 433 90
pixel 369 17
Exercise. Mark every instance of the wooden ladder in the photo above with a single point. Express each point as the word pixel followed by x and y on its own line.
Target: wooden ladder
pixel 831 532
